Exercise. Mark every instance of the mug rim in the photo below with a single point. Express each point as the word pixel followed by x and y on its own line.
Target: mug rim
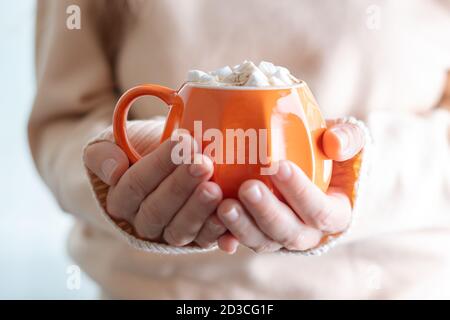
pixel 243 88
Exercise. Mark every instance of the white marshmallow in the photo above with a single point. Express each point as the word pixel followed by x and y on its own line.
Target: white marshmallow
pixel 232 79
pixel 201 77
pixel 245 74
pixel 240 67
pixel 222 73
pixel 257 79
pixel 283 75
pixel 195 75
pixel 274 81
pixel 267 68
pixel 246 67
pixel 207 78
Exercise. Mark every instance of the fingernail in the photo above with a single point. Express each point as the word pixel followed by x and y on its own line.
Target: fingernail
pixel 206 196
pixel 252 194
pixel 198 170
pixel 342 135
pixel 233 250
pixel 108 166
pixel 232 215
pixel 284 171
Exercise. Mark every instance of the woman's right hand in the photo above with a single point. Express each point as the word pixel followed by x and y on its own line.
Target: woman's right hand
pixel 164 202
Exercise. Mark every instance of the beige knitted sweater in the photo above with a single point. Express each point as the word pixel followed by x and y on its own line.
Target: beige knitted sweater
pixel 385 62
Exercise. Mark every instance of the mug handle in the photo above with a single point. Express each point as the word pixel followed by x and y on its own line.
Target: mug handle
pixel 169 96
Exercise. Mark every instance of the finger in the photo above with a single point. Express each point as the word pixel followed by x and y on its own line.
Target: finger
pixel 187 223
pixel 228 243
pixel 330 213
pixel 140 179
pixel 156 211
pixel 106 160
pixel 210 232
pixel 343 141
pixel 243 228
pixel 275 218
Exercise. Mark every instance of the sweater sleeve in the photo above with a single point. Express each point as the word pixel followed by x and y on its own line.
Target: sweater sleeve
pixel 74 101
pixel 73 107
pixel 408 184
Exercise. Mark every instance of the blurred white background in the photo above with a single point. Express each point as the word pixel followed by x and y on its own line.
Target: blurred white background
pixel 33 230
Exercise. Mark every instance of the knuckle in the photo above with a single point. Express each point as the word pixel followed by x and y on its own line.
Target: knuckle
pixel 116 206
pixel 323 219
pixel 151 211
pixel 161 165
pixel 239 232
pixel 174 237
pixel 177 187
pixel 267 216
pixel 304 240
pixel 195 210
pixel 111 203
pixel 151 218
pixel 297 243
pixel 89 155
pixel 214 229
pixel 287 238
pixel 136 184
pixel 265 247
pixel 202 212
pixel 205 244
pixel 300 192
pixel 209 234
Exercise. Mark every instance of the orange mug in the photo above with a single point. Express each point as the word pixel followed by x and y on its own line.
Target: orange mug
pixel 288 118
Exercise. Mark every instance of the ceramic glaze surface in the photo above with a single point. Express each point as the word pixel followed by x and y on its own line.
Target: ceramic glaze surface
pixel 275 123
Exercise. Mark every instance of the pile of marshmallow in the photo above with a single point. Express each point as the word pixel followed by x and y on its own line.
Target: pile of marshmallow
pixel 245 74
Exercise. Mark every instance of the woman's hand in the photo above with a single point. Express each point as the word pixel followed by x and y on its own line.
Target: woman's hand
pixel 163 202
pixel 263 223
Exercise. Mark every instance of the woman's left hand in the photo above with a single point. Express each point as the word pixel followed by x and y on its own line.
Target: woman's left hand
pixel 260 221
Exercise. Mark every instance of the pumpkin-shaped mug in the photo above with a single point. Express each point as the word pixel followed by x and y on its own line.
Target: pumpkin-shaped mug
pixel 245 130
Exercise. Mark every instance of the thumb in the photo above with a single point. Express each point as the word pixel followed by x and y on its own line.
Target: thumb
pixel 106 160
pixel 343 141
